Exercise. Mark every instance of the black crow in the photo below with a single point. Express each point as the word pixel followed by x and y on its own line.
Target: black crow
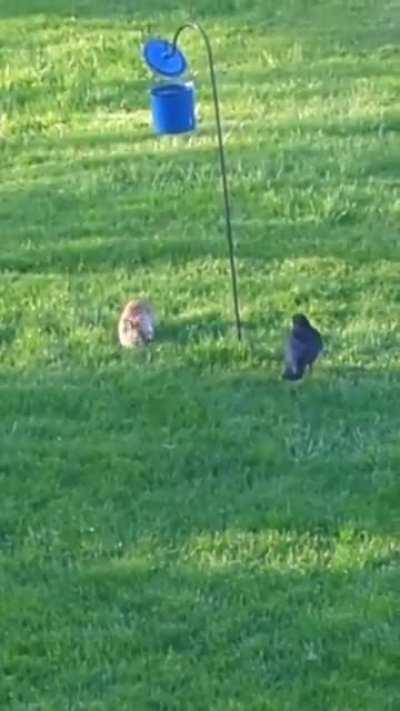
pixel 302 349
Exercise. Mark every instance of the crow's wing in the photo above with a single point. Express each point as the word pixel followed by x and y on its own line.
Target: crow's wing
pixel 296 354
pixel 315 345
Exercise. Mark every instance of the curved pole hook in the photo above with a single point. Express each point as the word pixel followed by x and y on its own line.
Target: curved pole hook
pixel 196 26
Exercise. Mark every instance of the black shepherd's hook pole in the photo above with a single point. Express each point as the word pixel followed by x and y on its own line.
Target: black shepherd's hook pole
pixel 196 26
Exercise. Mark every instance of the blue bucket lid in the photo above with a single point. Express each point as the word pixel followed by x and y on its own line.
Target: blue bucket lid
pixel 163 58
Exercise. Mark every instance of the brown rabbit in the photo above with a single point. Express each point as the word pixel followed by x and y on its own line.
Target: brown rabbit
pixel 136 324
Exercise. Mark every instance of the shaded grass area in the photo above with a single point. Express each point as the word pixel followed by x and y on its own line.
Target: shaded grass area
pixel 179 529
pixel 248 557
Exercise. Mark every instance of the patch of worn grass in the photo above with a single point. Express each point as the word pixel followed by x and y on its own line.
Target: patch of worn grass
pixel 179 529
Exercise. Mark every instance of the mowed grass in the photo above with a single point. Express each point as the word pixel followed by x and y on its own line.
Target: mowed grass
pixel 179 528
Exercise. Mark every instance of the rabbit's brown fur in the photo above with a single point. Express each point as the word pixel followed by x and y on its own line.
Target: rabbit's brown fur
pixel 136 324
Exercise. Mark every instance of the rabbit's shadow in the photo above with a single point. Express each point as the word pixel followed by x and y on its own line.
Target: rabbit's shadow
pixel 210 325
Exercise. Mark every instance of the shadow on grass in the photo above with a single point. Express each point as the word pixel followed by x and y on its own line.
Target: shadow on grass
pixel 210 326
pixel 116 9
pixel 219 532
pixel 239 636
pixel 208 451
pixel 183 331
pixel 126 209
pixel 161 10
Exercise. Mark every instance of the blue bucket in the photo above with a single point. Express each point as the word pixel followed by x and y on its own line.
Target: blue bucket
pixel 173 107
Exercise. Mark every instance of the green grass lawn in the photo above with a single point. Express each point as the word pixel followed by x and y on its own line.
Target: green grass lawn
pixel 179 528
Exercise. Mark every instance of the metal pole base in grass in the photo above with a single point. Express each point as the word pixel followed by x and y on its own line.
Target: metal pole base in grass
pixel 173 112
